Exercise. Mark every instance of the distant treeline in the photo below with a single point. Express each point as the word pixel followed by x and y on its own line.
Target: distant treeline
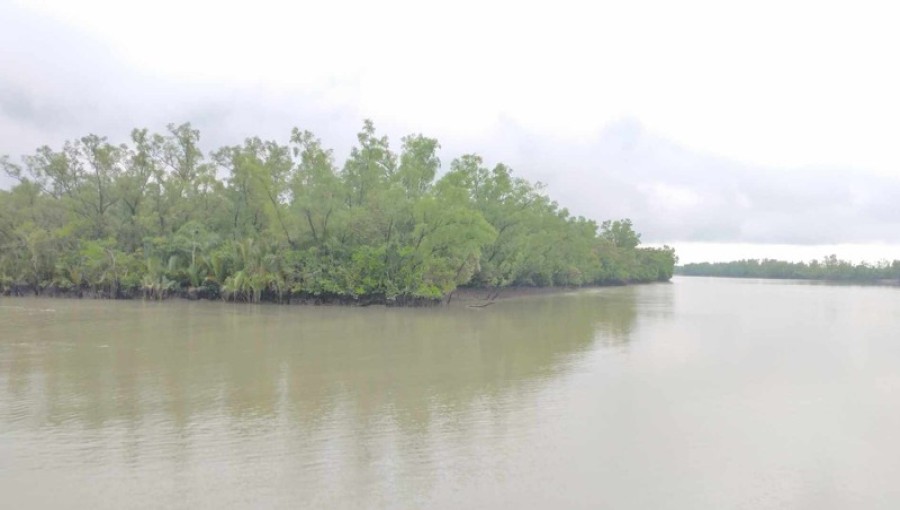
pixel 283 222
pixel 829 268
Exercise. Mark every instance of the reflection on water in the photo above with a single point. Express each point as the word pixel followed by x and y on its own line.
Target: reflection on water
pixel 101 362
pixel 358 403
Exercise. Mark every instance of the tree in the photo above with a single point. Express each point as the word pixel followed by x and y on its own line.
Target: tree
pixel 317 191
pixel 268 221
pixel 370 165
pixel 620 233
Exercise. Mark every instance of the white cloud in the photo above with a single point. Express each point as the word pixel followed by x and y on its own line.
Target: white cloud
pixel 774 83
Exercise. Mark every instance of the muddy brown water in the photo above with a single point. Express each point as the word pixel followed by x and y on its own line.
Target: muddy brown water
pixel 703 393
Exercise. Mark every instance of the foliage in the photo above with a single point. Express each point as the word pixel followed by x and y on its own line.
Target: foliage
pixel 829 268
pixel 267 221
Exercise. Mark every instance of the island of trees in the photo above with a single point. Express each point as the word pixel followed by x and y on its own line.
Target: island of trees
pixel 830 268
pixel 266 221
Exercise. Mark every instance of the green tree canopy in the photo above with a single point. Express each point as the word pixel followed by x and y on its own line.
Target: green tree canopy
pixel 266 220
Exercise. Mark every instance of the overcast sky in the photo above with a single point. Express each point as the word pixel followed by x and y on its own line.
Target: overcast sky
pixel 770 126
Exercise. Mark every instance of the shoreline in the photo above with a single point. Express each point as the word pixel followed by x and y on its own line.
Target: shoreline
pixel 476 297
pixel 492 294
pixel 882 282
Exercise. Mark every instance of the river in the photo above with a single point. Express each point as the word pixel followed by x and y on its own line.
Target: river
pixel 702 393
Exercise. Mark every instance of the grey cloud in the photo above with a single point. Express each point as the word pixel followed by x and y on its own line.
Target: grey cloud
pixel 18 105
pixel 674 194
pixel 57 84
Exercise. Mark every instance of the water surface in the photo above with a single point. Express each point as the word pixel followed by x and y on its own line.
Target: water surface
pixel 704 393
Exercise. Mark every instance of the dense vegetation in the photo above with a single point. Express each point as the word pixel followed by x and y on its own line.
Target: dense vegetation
pixel 274 222
pixel 830 268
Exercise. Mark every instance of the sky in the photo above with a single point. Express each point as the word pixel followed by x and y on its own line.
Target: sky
pixel 763 129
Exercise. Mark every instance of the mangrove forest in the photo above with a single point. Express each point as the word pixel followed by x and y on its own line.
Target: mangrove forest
pixel 268 221
pixel 829 268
